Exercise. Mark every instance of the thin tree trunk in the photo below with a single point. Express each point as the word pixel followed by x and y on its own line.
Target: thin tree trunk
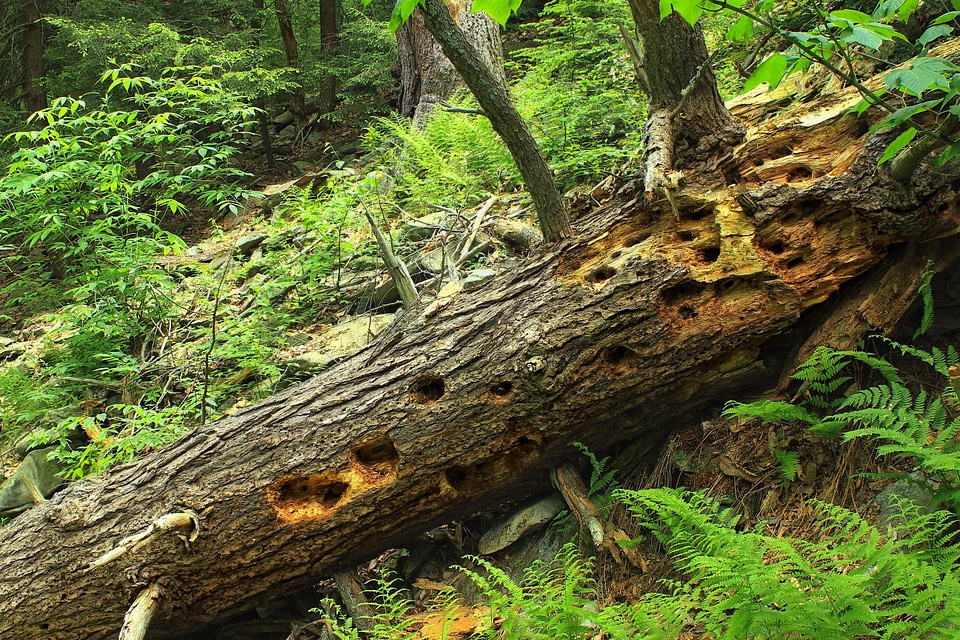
pixel 426 75
pixel 290 50
pixel 688 127
pixel 506 120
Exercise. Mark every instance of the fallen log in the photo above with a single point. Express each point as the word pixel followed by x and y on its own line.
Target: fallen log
pixel 624 332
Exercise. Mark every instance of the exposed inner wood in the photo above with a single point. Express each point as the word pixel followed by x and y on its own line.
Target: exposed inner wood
pixel 623 332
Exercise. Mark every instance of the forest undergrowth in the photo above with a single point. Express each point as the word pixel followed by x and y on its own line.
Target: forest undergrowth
pixel 764 522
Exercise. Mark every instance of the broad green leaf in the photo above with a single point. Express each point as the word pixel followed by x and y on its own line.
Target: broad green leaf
pixel 862 36
pixel 797 64
pixel 401 12
pixel 924 74
pixel 947 17
pixel 899 143
pixel 902 115
pixel 907 9
pixel 934 32
pixel 742 29
pixel 499 10
pixel 689 10
pixel 885 31
pixel 956 4
pixel 771 71
pixel 949 153
pixel 856 17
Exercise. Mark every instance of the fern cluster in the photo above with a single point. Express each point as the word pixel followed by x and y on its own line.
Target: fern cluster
pixel 853 582
pixel 916 426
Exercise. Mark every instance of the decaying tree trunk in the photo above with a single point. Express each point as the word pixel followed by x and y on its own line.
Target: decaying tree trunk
pixel 426 75
pixel 638 322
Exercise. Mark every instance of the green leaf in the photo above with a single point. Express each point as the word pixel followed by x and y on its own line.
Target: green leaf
pixel 934 32
pixel 907 9
pixel 924 74
pixel 401 12
pixel 742 30
pixel 856 17
pixel 902 115
pixel 899 143
pixel 499 10
pixel 770 71
pixel 689 10
pixel 947 17
pixel 863 36
pixel 949 153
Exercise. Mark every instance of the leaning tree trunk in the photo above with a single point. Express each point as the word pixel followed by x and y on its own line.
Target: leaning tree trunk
pixel 426 75
pixel 494 99
pixel 622 333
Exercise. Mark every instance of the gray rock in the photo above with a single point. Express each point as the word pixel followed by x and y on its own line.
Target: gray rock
pixel 432 261
pixel 359 263
pixel 193 251
pixel 516 233
pixel 255 269
pixel 13 350
pixel 51 419
pixel 249 242
pixel 284 238
pixel 423 227
pixel 529 517
pixel 914 488
pixel 341 341
pixel 477 278
pixel 15 496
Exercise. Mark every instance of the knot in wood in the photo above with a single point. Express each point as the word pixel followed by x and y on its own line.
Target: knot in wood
pixel 535 364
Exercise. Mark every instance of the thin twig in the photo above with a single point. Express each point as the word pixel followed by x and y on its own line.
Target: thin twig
pixel 213 342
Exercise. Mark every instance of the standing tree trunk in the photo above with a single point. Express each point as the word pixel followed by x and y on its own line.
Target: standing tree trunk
pixel 426 75
pixel 624 332
pixel 289 37
pixel 491 92
pixel 330 11
pixel 34 95
pixel 688 126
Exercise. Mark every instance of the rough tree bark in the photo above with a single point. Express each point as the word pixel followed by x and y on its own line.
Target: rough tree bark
pixel 34 95
pixel 330 11
pixel 426 75
pixel 622 333
pixel 495 101
pixel 688 128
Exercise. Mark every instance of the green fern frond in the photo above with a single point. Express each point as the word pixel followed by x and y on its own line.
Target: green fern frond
pixel 770 411
pixel 926 295
pixel 853 582
pixel 600 480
